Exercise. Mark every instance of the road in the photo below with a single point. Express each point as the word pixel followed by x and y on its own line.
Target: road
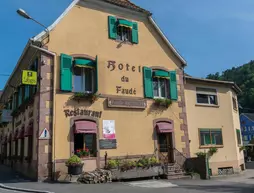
pixel 243 183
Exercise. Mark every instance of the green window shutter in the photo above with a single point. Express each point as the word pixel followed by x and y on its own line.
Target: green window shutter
pixel 112 27
pixel 66 73
pixel 96 75
pixel 135 33
pixel 19 96
pixel 173 85
pixel 148 82
pixel 26 92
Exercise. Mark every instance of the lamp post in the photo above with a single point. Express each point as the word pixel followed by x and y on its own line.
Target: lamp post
pixel 25 15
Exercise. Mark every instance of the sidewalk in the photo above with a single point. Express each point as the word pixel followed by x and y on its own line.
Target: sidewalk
pixel 10 178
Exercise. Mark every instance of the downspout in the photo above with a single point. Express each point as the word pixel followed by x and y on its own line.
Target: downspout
pixel 54 106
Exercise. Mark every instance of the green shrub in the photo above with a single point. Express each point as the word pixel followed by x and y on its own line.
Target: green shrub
pixel 74 161
pixel 113 164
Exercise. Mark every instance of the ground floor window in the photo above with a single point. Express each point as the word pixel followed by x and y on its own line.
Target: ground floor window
pixel 22 147
pixel 210 137
pixel 16 148
pixel 30 147
pixel 85 144
pixel 162 142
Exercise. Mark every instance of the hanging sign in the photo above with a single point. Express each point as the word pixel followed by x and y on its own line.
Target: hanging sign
pixel 45 134
pixel 29 77
pixel 109 129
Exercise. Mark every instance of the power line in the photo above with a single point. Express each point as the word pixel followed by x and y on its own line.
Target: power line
pixel 5 75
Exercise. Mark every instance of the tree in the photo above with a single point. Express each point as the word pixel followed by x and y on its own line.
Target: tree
pixel 243 76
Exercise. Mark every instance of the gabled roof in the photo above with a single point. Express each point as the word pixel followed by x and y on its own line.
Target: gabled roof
pixel 129 5
pixel 232 84
pixel 121 3
pixel 250 116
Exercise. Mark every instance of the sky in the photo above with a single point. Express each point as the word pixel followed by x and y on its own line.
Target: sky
pixel 212 36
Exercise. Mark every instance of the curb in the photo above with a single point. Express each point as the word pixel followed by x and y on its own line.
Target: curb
pixel 23 190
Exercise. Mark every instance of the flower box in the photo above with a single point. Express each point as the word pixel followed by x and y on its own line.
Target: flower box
pixel 137 173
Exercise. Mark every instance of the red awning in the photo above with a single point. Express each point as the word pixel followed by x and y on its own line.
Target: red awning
pixel 29 130
pixel 5 140
pixel 85 127
pixel 164 127
pixel 15 136
pixel 21 133
pixel 10 137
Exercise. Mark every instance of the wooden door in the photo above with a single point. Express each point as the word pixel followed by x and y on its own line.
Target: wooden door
pixel 165 147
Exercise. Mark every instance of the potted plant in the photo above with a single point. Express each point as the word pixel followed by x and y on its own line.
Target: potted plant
pixel 75 165
pixel 84 96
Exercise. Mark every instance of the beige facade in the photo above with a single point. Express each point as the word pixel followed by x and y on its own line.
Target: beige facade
pixel 82 33
pixel 220 115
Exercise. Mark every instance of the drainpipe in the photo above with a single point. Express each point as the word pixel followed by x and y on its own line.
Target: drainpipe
pixel 54 105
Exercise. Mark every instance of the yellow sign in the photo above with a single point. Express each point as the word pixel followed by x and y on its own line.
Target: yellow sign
pixel 29 77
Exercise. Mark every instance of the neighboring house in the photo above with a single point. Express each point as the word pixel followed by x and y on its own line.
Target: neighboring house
pixel 247 127
pixel 114 54
pixel 213 121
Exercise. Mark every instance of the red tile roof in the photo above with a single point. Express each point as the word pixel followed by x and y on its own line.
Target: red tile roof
pixel 129 5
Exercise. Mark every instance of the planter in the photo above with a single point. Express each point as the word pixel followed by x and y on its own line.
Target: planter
pixel 75 170
pixel 137 173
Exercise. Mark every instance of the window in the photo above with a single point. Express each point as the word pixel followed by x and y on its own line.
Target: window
pixel 123 33
pixel 160 87
pixel 16 147
pixel 238 134
pixel 30 146
pixel 123 30
pixel 249 128
pixel 210 137
pixel 234 103
pixel 22 147
pixel 252 128
pixel 85 141
pixel 83 79
pixel 245 138
pixel 206 96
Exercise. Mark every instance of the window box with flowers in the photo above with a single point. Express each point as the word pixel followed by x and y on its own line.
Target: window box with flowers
pixel 79 96
pixel 83 153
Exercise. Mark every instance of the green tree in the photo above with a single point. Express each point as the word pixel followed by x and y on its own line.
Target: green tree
pixel 243 76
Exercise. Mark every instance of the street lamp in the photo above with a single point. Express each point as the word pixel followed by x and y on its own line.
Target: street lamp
pixel 25 15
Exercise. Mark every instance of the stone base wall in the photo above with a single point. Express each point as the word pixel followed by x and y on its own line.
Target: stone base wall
pixel 216 165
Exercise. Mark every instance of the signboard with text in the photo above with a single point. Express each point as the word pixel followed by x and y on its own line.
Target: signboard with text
pixel 29 77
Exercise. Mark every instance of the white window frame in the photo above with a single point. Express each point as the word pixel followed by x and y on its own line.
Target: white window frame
pixel 159 88
pixel 123 37
pixel 83 80
pixel 208 94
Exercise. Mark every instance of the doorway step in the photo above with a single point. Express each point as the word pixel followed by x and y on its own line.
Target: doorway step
pixel 174 171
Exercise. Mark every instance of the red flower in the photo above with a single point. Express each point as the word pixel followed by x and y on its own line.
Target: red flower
pixel 87 150
pixel 78 151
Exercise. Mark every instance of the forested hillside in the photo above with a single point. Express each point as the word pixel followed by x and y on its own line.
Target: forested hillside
pixel 243 76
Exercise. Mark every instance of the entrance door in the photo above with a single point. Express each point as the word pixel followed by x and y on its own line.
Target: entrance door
pixel 165 147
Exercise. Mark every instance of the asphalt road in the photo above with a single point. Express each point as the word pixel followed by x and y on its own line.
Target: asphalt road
pixel 243 183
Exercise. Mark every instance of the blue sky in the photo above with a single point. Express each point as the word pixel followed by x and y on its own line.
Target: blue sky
pixel 211 35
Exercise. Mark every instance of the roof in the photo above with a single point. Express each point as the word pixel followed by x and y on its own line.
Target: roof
pixel 121 3
pixel 232 84
pixel 129 5
pixel 249 116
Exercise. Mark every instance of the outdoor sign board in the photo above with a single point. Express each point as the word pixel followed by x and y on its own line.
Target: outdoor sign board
pixel 29 77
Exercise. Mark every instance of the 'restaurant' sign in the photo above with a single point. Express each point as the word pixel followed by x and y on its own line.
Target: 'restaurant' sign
pixel 127 103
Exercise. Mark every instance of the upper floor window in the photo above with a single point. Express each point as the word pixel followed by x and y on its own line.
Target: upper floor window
pixel 83 79
pixel 161 88
pixel 124 33
pixel 123 30
pixel 78 75
pixel 160 84
pixel 206 96
pixel 234 103
pixel 238 134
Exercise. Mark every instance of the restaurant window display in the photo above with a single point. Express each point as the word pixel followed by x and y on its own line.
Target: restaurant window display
pixel 85 139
